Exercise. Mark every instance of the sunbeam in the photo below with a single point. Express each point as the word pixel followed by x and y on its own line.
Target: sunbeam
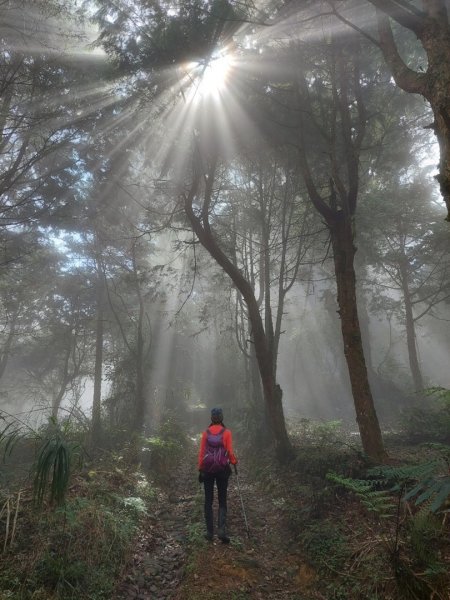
pixel 210 77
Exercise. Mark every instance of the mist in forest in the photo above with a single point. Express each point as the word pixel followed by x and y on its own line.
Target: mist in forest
pixel 224 263
pixel 172 227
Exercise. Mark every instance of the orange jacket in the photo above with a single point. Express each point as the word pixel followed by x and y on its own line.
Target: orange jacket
pixel 227 442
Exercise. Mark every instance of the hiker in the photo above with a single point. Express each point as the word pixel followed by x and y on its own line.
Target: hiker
pixel 214 458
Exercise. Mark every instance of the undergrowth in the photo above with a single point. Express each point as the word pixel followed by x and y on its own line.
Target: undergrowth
pixel 371 533
pixel 79 548
pixel 67 529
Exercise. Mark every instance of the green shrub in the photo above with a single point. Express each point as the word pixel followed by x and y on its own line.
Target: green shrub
pixel 56 572
pixel 166 447
pixel 431 419
pixel 326 546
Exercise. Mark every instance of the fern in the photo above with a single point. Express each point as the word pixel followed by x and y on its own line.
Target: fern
pixel 427 483
pixel 438 392
pixel 376 501
pixel 435 490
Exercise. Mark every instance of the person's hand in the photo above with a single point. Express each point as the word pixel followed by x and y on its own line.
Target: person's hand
pixel 201 477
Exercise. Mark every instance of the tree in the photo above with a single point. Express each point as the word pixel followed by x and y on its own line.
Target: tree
pixel 272 232
pixel 410 257
pixel 192 33
pixel 328 124
pixel 430 26
pixel 199 199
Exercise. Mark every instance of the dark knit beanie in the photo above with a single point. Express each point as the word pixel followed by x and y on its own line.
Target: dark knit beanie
pixel 216 415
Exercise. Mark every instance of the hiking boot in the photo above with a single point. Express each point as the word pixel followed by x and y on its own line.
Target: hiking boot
pixel 209 522
pixel 222 531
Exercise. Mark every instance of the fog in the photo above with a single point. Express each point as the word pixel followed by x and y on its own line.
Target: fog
pixel 170 227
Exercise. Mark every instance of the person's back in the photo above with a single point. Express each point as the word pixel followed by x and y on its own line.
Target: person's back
pixel 215 456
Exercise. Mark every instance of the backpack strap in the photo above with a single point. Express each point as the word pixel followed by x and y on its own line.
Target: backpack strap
pixel 208 431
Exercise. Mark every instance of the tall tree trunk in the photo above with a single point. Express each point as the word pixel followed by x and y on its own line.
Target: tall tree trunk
pixel 338 211
pixel 140 381
pixel 411 341
pixel 264 429
pixel 140 414
pixel 272 391
pixel 343 255
pixel 6 350
pixel 96 427
pixel 364 321
pixel 65 379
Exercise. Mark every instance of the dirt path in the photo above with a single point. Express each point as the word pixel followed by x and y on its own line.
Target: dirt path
pixel 157 565
pixel 172 560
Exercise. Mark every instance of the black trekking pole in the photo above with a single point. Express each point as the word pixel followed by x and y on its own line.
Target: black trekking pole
pixel 242 502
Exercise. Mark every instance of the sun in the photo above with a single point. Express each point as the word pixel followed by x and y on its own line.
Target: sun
pixel 215 74
pixel 210 77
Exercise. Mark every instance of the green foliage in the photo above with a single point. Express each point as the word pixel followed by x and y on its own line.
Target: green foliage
pixel 326 545
pixel 55 461
pixel 427 483
pixel 136 504
pixel 324 446
pixel 11 433
pixel 189 35
pixel 195 534
pixel 80 547
pixel 424 532
pixel 431 419
pixel 318 433
pixel 375 500
pixel 166 448
pixel 56 572
pixel 413 546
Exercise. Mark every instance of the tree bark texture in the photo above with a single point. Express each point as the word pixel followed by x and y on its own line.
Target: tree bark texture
pixel 411 341
pixel 98 369
pixel 6 350
pixel 257 396
pixel 96 425
pixel 431 27
pixel 140 413
pixel 343 255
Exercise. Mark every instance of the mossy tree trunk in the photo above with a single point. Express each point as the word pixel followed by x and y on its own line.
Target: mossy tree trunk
pixel 431 26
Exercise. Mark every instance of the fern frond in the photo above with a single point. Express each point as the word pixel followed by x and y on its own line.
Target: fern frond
pixel 438 392
pixel 428 482
pixel 374 500
pixel 406 473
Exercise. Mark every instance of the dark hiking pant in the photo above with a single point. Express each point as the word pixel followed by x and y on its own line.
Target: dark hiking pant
pixel 221 479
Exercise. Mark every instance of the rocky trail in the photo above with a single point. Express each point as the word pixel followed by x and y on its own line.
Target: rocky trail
pixel 172 560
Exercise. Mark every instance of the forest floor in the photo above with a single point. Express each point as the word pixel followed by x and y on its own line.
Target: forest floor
pixel 173 560
pixel 306 540
pixel 130 531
